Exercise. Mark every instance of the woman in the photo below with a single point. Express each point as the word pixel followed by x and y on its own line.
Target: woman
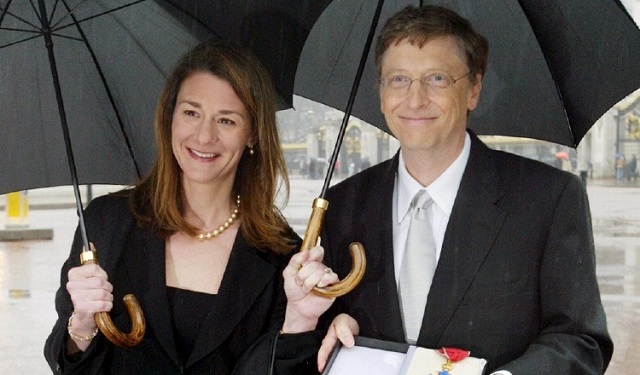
pixel 198 241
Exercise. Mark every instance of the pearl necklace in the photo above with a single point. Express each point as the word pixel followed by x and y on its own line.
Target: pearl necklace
pixel 214 233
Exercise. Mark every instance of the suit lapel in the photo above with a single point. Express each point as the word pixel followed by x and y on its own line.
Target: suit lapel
pixel 379 290
pixel 464 250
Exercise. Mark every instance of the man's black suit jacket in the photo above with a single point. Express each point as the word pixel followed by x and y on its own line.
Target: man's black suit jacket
pixel 515 283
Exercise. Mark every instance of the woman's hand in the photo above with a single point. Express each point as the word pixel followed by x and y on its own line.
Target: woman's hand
pixel 305 271
pixel 90 293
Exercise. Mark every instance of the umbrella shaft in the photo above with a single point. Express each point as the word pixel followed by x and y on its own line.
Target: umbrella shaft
pixel 63 121
pixel 352 97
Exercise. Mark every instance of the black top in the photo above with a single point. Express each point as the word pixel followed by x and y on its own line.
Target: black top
pixel 188 310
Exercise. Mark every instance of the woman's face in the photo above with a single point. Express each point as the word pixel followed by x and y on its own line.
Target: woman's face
pixel 210 130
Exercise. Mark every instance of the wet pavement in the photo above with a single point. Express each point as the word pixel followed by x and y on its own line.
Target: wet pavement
pixel 616 222
pixel 29 270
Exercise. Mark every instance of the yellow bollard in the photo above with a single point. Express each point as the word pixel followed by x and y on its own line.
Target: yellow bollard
pixel 17 210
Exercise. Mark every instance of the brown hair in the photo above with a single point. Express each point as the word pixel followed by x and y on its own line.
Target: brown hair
pixel 157 200
pixel 419 25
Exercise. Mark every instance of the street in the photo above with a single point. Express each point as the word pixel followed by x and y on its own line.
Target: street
pixel 29 271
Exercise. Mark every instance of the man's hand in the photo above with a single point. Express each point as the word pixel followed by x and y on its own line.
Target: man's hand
pixel 343 328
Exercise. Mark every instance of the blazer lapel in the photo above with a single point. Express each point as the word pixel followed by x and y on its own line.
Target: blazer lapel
pixel 246 276
pixel 145 263
pixel 464 250
pixel 149 284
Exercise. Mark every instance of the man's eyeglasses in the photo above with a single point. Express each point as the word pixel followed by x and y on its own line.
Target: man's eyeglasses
pixel 401 83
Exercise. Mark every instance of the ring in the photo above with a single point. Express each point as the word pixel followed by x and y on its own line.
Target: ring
pixel 327 270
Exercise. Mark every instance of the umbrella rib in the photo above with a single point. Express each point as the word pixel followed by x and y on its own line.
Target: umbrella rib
pixel 554 78
pixel 344 46
pixel 76 21
pixel 37 35
pixel 5 11
pixel 53 12
pixel 67 37
pixel 19 41
pixel 107 90
pixel 36 29
pixel 143 50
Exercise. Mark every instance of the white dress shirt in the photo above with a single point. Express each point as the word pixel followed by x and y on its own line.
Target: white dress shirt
pixel 443 191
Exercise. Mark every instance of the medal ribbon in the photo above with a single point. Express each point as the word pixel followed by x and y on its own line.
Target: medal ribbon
pixel 452 355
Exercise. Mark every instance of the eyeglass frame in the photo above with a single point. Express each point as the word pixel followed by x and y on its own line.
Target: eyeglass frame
pixel 383 81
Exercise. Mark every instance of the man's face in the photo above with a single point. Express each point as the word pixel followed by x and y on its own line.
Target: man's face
pixel 427 116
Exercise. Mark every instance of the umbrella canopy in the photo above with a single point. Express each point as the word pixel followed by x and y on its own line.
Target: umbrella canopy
pixel 554 68
pixel 111 58
pixel 274 30
pixel 100 62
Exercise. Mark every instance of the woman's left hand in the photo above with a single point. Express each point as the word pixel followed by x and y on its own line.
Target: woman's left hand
pixel 305 271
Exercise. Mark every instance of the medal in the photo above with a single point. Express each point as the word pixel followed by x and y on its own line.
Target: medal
pixel 452 355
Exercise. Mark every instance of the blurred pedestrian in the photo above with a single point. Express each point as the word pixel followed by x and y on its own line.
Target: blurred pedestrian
pixel 311 167
pixel 632 172
pixel 621 166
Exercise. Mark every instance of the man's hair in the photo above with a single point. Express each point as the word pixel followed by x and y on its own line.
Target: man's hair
pixel 419 25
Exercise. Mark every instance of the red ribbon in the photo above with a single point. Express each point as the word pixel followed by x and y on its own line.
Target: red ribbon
pixel 454 354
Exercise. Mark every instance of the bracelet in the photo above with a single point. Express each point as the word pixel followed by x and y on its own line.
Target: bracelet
pixel 78 337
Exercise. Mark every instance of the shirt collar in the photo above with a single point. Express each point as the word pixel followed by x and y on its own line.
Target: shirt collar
pixel 443 190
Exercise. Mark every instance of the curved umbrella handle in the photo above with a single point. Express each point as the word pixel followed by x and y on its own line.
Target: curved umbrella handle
pixel 103 320
pixel 358 259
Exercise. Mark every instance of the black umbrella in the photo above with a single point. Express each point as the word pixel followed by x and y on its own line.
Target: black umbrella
pixel 80 78
pixel 109 71
pixel 544 80
pixel 111 68
pixel 79 81
pixel 274 30
pixel 555 66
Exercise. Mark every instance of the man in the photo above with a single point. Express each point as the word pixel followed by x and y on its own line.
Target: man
pixel 515 280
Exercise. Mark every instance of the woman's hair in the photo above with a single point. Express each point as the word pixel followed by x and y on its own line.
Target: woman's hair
pixel 418 25
pixel 156 201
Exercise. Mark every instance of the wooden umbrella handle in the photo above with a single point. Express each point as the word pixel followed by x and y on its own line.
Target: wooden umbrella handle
pixel 103 319
pixel 358 259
